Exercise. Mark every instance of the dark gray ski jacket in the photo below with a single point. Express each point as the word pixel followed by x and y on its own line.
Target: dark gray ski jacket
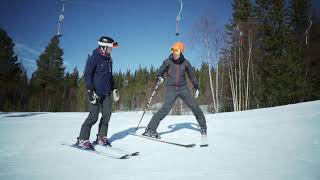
pixel 176 70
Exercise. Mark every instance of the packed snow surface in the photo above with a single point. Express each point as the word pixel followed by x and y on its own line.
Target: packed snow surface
pixel 280 143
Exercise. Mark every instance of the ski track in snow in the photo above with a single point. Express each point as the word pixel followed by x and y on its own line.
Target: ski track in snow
pixel 280 143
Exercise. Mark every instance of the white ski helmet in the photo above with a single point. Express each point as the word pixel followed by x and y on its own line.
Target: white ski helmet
pixel 106 41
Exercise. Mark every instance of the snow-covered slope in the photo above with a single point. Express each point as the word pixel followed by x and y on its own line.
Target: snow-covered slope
pixel 281 143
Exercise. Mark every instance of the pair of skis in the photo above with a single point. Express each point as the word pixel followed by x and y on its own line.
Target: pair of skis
pixel 119 153
pixel 110 151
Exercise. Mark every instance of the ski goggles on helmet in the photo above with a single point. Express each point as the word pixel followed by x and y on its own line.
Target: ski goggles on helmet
pixel 112 45
pixel 175 51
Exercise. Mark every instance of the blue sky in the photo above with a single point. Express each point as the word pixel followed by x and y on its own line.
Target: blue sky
pixel 145 29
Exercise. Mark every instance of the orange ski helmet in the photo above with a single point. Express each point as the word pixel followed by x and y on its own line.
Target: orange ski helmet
pixel 177 47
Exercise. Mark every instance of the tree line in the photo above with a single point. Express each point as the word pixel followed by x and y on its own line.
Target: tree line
pixel 265 56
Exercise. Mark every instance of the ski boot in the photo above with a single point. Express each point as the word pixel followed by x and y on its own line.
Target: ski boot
pixel 84 144
pixel 204 140
pixel 151 133
pixel 103 141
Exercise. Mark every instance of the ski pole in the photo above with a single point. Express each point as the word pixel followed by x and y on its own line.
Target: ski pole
pixel 148 104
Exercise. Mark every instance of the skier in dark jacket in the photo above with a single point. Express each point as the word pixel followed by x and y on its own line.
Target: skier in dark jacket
pixel 176 86
pixel 100 87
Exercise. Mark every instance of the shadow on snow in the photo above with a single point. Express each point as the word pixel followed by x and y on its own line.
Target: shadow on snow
pixel 176 127
pixel 173 128
pixel 23 114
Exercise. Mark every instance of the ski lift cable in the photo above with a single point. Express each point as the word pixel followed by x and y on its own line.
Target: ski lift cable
pixel 178 18
pixel 62 11
pixel 179 14
pixel 61 16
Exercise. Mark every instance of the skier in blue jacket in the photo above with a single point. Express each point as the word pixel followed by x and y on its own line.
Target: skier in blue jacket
pixel 100 87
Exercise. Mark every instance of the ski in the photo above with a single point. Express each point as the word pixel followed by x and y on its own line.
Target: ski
pixel 163 141
pixel 136 153
pixel 119 150
pixel 105 154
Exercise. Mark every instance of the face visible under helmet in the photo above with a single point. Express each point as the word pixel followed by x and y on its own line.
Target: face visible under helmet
pixel 177 48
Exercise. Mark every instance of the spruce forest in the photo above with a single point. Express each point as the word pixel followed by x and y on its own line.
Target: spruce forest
pixel 267 55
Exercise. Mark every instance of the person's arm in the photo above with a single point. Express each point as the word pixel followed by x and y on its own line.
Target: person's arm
pixel 113 84
pixel 89 73
pixel 192 75
pixel 160 73
pixel 163 68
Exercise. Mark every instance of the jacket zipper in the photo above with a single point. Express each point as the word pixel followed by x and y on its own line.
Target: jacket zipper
pixel 109 67
pixel 177 76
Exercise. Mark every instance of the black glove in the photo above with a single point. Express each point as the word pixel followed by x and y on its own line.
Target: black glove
pixel 92 96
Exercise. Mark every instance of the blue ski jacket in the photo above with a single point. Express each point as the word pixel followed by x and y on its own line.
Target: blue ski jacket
pixel 98 73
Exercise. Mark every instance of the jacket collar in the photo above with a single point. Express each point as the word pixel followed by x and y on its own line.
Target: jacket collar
pixel 102 54
pixel 178 61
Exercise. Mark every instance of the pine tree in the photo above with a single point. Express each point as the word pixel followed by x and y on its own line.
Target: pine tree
pixel 12 76
pixel 300 23
pixel 73 83
pixel 299 17
pixel 275 62
pixel 82 104
pixel 242 10
pixel 49 75
pixel 312 75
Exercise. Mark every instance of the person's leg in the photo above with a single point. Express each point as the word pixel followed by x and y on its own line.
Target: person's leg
pixel 106 108
pixel 171 96
pixel 90 121
pixel 191 102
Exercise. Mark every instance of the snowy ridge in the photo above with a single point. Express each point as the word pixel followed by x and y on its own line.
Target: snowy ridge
pixel 280 143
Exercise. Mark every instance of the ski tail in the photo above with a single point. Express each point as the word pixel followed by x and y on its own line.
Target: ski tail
pixel 105 154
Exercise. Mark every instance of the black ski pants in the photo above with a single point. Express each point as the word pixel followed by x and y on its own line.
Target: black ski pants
pixel 171 95
pixel 105 104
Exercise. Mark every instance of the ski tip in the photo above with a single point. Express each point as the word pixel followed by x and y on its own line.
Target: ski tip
pixel 124 157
